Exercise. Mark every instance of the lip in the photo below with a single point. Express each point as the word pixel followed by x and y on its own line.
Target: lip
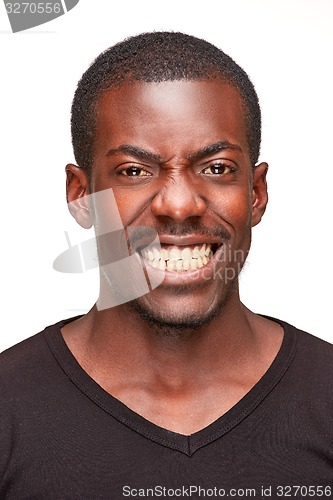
pixel 177 278
pixel 188 240
pixel 137 244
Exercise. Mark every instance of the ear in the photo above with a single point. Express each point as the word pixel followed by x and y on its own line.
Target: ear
pixel 259 192
pixel 77 189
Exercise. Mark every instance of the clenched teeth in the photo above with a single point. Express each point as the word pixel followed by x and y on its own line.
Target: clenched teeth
pixel 176 258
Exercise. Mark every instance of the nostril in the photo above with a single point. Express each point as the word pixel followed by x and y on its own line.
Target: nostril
pixel 179 203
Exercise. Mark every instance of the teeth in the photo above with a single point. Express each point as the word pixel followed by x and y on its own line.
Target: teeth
pixel 179 259
pixel 193 264
pixel 179 265
pixel 207 251
pixel 161 265
pixel 186 264
pixel 164 254
pixel 186 254
pixel 170 265
pixel 196 253
pixel 150 255
pixel 174 254
pixel 156 253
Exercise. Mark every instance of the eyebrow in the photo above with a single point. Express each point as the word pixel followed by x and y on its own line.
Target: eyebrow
pixel 144 155
pixel 139 153
pixel 212 149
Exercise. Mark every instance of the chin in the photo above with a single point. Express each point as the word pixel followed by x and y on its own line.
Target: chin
pixel 179 319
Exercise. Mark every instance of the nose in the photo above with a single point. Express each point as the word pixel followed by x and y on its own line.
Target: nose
pixel 179 200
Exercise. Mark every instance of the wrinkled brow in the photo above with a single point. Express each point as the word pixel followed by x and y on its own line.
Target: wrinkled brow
pixel 145 155
pixel 136 152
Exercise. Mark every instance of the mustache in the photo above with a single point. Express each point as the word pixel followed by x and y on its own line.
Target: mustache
pixel 189 228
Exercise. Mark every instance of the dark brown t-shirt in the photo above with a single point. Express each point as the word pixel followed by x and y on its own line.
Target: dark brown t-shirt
pixel 63 437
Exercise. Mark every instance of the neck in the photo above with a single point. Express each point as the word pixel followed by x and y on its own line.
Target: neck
pixel 180 379
pixel 122 341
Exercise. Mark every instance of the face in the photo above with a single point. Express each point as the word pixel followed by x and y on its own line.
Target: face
pixel 177 159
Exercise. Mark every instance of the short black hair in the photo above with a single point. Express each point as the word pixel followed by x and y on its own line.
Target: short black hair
pixel 157 57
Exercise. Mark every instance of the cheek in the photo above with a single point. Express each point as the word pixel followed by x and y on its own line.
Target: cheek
pixel 233 204
pixel 133 205
pixel 130 200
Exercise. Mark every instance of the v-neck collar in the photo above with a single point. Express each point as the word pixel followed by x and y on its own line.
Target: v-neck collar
pixel 180 442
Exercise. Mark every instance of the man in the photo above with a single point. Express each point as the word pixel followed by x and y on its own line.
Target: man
pixel 182 391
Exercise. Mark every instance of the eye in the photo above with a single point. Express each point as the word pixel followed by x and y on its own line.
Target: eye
pixel 134 171
pixel 217 168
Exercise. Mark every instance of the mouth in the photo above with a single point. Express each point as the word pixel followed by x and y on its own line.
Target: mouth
pixel 180 258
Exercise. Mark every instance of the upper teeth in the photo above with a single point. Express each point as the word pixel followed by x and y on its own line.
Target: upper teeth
pixel 176 258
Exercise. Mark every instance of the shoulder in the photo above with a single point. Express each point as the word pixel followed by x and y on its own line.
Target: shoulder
pixel 312 364
pixel 21 362
pixel 21 352
pixel 315 355
pixel 27 362
pixel 309 344
pixel 305 341
pixel 28 374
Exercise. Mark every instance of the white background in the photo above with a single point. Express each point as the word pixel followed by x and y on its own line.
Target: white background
pixel 284 45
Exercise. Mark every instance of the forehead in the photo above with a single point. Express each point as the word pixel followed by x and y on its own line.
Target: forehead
pixel 173 117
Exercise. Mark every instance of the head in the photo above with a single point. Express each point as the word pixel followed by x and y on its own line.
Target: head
pixel 172 125
pixel 157 57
